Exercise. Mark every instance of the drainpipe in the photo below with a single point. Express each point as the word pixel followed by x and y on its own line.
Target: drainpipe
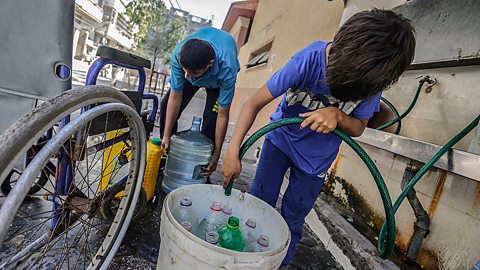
pixel 422 224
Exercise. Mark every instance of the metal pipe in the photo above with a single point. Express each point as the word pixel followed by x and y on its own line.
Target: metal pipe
pixel 422 223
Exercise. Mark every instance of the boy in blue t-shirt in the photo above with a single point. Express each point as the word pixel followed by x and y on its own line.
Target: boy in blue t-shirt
pixel 332 84
pixel 206 58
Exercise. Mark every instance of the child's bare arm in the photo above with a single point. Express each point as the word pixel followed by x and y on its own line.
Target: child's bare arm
pixel 325 120
pixel 231 166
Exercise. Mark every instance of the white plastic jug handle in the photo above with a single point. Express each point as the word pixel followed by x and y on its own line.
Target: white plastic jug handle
pixel 198 170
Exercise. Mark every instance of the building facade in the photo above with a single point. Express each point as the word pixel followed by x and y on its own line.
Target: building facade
pixel 193 22
pixel 99 22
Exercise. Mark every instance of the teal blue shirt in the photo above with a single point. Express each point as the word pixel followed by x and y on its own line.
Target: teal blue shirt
pixel 223 73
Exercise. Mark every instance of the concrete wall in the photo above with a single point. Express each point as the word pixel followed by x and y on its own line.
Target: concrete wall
pixel 442 113
pixel 291 27
pixel 355 6
pixel 453 202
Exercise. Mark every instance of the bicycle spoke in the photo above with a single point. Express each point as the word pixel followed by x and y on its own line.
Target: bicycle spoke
pixel 65 243
pixel 47 248
pixel 87 234
pixel 101 175
pixel 52 236
pixel 85 139
pixel 68 248
pixel 73 168
pixel 37 227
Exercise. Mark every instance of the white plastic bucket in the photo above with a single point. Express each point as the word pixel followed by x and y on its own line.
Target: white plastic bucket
pixel 180 249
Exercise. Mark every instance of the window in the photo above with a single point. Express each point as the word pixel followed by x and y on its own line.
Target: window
pixel 197 19
pixel 260 56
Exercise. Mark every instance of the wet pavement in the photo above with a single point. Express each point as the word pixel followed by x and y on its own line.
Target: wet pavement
pixel 139 249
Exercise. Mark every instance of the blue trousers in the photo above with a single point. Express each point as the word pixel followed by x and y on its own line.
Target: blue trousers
pixel 299 198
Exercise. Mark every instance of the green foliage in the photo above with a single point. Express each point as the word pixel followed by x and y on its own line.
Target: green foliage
pixel 164 37
pixel 145 14
pixel 158 32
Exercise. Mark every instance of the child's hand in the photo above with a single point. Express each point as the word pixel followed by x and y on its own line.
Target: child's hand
pixel 165 143
pixel 323 120
pixel 231 167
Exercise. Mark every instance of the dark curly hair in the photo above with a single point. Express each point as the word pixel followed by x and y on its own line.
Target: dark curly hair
pixel 368 54
pixel 195 54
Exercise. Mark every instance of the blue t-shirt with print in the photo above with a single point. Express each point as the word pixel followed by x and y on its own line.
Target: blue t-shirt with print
pixel 223 73
pixel 302 83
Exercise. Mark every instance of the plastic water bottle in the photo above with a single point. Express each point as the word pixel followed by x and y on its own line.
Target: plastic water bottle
pixel 212 238
pixel 186 225
pixel 249 231
pixel 230 236
pixel 210 222
pixel 190 150
pixel 261 245
pixel 226 214
pixel 184 212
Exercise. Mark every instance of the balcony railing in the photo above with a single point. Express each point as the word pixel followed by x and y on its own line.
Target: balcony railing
pixel 117 35
pixel 91 8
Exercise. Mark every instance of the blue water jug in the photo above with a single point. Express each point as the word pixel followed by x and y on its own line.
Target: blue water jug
pixel 190 150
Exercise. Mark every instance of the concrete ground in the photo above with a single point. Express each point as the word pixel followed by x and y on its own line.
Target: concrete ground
pixel 140 247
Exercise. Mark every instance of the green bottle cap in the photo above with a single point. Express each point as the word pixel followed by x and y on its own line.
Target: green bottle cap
pixel 156 141
pixel 233 223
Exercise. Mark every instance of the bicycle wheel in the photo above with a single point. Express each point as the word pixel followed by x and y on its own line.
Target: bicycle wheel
pixel 61 227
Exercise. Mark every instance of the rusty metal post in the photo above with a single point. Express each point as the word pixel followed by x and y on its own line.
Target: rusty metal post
pixel 156 81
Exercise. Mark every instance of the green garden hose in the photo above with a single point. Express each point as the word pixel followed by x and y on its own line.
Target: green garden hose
pixel 395 112
pixel 387 201
pixel 414 101
pixel 447 147
pixel 386 240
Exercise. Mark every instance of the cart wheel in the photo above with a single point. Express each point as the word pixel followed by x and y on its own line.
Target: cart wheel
pixel 62 225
